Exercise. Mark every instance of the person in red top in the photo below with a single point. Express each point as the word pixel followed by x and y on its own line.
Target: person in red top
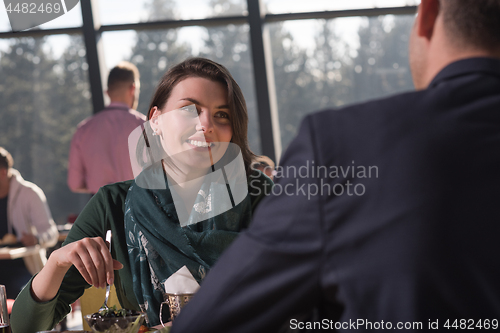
pixel 99 149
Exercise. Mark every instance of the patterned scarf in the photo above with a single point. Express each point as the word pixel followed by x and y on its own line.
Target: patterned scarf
pixel 158 246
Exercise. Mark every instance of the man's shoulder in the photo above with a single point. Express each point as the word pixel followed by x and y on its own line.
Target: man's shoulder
pixel 375 107
pixel 88 122
pixel 137 115
pixel 24 187
pixel 370 116
pixel 84 122
pixel 129 116
pixel 358 126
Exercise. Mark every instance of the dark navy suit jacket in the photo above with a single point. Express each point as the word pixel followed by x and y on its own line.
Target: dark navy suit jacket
pixel 414 241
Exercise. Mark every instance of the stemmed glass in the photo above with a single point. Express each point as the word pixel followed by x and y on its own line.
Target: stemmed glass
pixel 4 315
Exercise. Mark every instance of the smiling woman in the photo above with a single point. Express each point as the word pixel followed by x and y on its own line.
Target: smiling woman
pixel 198 119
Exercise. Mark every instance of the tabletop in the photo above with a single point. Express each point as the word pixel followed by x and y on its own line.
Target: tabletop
pixel 18 252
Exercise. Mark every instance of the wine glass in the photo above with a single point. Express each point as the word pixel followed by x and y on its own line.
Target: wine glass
pixel 4 314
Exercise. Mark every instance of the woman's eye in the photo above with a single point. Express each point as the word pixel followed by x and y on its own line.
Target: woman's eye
pixel 222 114
pixel 190 108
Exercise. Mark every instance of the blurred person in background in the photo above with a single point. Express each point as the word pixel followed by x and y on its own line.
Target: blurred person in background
pixel 265 165
pixel 24 218
pixel 99 152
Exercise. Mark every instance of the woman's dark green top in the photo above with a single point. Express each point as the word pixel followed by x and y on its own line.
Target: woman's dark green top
pixel 103 212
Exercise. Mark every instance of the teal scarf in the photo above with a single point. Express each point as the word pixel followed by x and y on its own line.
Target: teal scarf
pixel 158 246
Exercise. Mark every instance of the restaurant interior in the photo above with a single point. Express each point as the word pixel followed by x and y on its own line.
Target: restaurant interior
pixel 290 58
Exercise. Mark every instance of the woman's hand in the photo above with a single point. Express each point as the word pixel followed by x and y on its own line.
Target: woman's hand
pixel 92 259
pixel 89 255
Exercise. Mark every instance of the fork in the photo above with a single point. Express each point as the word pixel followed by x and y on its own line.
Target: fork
pixel 105 305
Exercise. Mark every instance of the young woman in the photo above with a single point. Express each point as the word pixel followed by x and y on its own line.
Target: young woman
pixel 196 119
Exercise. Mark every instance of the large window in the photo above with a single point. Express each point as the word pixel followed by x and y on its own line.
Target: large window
pixel 297 6
pixel 134 11
pixel 322 64
pixel 45 93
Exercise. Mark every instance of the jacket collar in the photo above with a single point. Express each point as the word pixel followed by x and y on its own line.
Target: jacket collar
pixel 489 66
pixel 15 181
pixel 14 187
pixel 117 106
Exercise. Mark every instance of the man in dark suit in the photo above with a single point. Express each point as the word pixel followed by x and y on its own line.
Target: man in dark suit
pixel 392 220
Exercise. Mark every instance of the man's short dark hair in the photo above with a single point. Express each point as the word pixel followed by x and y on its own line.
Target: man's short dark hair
pixel 6 160
pixel 125 73
pixel 473 23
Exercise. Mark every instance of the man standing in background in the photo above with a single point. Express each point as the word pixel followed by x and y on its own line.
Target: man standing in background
pixel 99 149
pixel 24 217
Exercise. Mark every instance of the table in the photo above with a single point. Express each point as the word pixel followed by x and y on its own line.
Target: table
pixel 7 253
pixel 18 252
pixel 63 231
pixel 62 236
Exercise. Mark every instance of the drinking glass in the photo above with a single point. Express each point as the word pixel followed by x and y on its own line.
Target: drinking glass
pixel 175 303
pixel 4 314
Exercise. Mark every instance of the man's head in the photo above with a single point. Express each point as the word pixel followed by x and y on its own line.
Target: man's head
pixel 6 163
pixel 450 30
pixel 264 164
pixel 123 84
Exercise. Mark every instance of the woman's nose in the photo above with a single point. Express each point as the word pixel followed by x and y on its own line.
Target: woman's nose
pixel 204 122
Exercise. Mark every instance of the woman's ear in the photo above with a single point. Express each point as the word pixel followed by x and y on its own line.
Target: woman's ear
pixel 153 120
pixel 154 112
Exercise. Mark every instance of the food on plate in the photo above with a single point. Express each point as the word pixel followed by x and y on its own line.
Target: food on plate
pixel 115 321
pixel 143 329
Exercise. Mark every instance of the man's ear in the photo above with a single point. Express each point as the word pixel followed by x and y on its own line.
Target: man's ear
pixel 131 89
pixel 428 12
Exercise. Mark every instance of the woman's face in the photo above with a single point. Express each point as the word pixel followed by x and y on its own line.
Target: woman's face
pixel 195 124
